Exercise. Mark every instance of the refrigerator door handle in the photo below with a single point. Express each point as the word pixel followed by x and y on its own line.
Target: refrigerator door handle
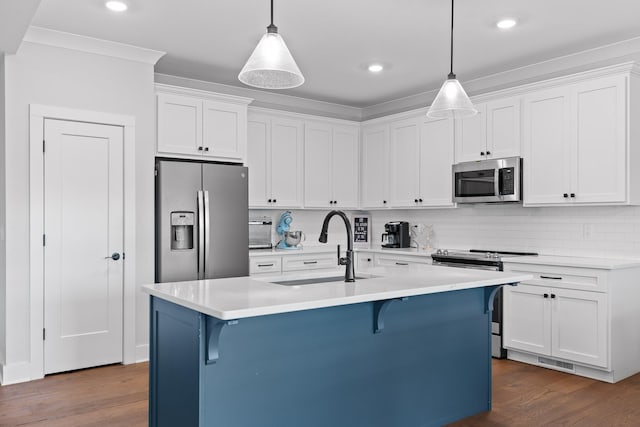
pixel 201 234
pixel 207 232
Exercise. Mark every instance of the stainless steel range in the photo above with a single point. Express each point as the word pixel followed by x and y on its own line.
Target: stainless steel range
pixel 483 260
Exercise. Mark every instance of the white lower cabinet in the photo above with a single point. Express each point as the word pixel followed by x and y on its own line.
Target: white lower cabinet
pixel 292 263
pixel 579 320
pixel 400 260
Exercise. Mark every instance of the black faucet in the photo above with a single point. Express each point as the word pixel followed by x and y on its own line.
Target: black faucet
pixel 349 274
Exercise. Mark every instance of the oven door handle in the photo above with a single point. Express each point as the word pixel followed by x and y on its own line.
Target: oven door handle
pixel 473 266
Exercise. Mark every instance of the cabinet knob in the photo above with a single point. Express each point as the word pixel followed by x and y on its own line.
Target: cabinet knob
pixel 420 200
pixel 269 201
pixel 368 259
pixel 488 153
pixel 565 195
pixel 415 200
pixel 553 295
pixel 384 202
pixel 573 195
pixel 206 148
pixel 482 153
pixel 274 200
pixel 335 202
pixel 546 295
pixel 330 202
pixel 199 148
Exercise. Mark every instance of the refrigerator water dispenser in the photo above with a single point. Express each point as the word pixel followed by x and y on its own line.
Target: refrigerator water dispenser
pixel 182 230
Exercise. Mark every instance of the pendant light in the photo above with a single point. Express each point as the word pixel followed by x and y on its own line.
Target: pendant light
pixel 452 100
pixel 271 66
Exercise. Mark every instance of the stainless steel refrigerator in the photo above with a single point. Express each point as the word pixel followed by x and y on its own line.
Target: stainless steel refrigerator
pixel 202 214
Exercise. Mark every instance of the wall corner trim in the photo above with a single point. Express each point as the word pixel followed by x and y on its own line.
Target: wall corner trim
pixel 61 39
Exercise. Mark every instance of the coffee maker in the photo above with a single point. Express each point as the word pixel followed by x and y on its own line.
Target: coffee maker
pixel 396 235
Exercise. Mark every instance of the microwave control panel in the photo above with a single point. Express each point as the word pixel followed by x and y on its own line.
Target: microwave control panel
pixel 507 181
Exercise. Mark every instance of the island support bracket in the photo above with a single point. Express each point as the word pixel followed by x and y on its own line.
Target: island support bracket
pixel 490 293
pixel 379 308
pixel 213 329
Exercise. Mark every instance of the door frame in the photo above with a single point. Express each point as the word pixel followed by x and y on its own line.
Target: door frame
pixel 37 116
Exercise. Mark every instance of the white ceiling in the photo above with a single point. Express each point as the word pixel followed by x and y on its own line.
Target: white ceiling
pixel 334 40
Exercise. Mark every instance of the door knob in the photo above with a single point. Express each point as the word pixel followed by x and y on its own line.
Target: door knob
pixel 114 256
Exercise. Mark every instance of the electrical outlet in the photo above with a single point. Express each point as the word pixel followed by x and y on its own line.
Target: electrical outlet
pixel 587 231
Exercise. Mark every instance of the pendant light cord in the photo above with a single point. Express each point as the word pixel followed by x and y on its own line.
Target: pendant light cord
pixel 451 75
pixel 272 28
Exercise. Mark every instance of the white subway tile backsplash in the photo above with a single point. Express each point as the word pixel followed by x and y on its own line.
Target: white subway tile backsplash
pixel 607 231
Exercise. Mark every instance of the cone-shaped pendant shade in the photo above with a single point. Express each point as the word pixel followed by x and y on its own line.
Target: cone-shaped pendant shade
pixel 271 66
pixel 451 102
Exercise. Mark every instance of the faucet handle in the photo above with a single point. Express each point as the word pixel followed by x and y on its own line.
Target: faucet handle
pixel 339 255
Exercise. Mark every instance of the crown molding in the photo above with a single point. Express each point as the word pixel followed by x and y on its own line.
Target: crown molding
pixel 64 40
pixel 180 90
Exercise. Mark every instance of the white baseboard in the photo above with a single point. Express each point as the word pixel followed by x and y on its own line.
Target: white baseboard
pixel 142 353
pixel 16 373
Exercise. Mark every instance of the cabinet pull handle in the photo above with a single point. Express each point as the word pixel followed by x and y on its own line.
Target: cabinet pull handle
pixel 551 277
pixel 265 265
pixel 401 263
pixel 310 262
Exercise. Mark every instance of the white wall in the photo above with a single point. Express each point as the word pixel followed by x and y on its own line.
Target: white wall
pixel 3 282
pixel 52 76
pixel 609 231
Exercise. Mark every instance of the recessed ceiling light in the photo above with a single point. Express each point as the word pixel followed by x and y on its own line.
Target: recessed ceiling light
pixel 375 68
pixel 116 6
pixel 506 23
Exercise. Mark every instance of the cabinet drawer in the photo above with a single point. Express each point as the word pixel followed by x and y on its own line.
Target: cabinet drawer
pixel 587 279
pixel 309 262
pixel 265 265
pixel 399 260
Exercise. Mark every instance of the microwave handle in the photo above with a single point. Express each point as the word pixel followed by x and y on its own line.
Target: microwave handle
pixel 496 182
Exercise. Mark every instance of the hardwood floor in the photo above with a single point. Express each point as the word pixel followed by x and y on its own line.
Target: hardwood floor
pixel 114 396
pixel 523 395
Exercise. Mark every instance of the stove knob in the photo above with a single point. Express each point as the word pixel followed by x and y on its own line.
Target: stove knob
pixel 488 255
pixel 495 255
pixel 445 252
pixel 439 252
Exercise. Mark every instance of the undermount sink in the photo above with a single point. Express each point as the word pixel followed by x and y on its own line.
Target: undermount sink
pixel 310 281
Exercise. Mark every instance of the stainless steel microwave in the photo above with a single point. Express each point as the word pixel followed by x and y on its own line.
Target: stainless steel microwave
pixel 488 181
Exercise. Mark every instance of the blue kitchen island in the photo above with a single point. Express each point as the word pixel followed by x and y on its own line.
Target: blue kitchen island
pixel 400 348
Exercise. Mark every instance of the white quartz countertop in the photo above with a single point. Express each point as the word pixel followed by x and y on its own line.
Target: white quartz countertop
pixel 241 297
pixel 571 261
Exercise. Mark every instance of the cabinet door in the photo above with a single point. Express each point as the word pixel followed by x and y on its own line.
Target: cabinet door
pixel 436 158
pixel 600 138
pixel 317 165
pixel 405 163
pixel 503 128
pixel 344 176
pixel 286 162
pixel 471 136
pixel 579 326
pixel 224 130
pixel 258 155
pixel 375 167
pixel 527 320
pixel 547 151
pixel 179 124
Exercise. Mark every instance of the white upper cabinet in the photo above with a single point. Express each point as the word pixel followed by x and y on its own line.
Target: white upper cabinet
pixel 331 165
pixel 492 133
pixel 421 158
pixel 275 161
pixel 436 158
pixel 375 167
pixel 198 124
pixel 576 144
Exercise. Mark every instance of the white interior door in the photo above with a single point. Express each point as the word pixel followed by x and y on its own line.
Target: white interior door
pixel 83 285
